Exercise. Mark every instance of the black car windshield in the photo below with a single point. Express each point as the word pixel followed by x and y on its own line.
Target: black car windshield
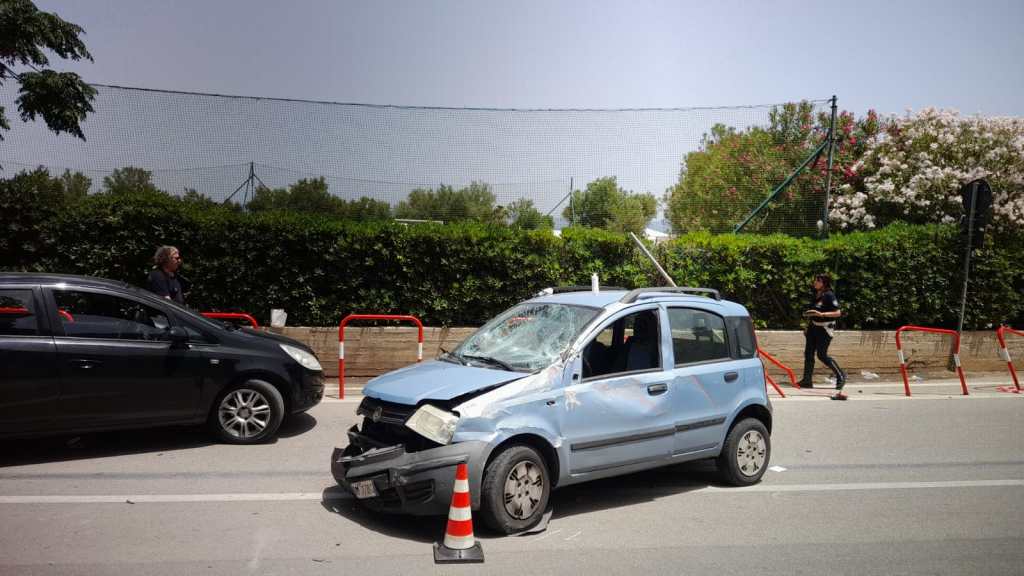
pixel 527 337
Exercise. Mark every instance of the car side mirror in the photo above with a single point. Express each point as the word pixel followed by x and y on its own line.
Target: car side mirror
pixel 177 335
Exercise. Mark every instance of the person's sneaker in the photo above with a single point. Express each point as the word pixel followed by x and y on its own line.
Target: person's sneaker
pixel 841 381
pixel 805 384
pixel 838 396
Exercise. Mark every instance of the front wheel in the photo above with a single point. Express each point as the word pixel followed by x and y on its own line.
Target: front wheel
pixel 745 455
pixel 515 490
pixel 247 413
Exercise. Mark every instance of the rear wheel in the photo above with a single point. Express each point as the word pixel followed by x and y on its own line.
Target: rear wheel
pixel 247 413
pixel 745 455
pixel 515 490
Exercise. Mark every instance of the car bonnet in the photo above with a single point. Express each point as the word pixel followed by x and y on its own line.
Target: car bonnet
pixel 435 380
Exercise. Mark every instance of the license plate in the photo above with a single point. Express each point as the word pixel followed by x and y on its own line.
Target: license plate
pixel 364 489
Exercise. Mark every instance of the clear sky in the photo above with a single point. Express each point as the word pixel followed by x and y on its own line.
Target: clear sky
pixel 888 55
pixel 700 63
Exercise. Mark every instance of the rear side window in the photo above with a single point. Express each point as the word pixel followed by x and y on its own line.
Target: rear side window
pixel 746 343
pixel 697 335
pixel 18 313
pixel 94 315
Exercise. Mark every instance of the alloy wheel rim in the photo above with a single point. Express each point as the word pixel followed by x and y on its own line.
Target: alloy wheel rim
pixel 244 413
pixel 751 453
pixel 524 487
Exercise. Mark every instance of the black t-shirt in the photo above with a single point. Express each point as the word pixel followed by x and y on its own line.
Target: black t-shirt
pixel 165 285
pixel 825 302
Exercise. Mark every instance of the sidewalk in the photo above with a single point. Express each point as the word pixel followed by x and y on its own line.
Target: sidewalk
pixel 985 385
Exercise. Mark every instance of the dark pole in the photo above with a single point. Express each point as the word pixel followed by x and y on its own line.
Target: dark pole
pixel 967 255
pixel 828 175
pixel 250 188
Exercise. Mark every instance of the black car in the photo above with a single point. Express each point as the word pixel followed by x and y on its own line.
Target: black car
pixel 83 354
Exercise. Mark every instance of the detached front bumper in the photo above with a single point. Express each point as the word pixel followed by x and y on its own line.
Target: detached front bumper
pixel 418 483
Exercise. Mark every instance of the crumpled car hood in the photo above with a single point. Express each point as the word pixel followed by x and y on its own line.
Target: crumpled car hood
pixel 435 380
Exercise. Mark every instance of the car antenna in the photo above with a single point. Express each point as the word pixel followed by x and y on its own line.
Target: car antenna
pixel 651 257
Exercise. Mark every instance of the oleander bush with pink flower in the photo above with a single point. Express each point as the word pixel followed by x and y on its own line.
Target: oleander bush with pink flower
pixel 913 169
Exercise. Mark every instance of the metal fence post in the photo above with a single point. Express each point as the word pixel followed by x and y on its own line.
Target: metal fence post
pixel 828 175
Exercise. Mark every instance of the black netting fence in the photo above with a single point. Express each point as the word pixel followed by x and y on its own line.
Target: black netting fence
pixel 666 170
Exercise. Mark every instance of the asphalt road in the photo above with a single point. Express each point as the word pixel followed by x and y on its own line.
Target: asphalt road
pixel 877 485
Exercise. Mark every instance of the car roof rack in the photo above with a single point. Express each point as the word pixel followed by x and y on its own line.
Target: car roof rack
pixel 633 295
pixel 564 289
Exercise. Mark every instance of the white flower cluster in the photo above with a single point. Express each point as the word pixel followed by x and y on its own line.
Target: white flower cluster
pixel 914 170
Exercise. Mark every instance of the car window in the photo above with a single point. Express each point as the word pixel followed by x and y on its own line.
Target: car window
pixel 628 344
pixel 18 313
pixel 697 335
pixel 95 315
pixel 745 341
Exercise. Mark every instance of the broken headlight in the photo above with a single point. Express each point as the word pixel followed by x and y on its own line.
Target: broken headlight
pixel 433 423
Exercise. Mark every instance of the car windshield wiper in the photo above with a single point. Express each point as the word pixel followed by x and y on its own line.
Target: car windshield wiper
pixel 452 357
pixel 492 361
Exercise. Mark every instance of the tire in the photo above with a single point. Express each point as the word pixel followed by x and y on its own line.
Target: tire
pixel 746 453
pixel 520 471
pixel 247 413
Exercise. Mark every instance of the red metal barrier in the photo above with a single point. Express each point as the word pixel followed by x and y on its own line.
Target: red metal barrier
pixel 341 340
pixel 232 316
pixel 771 381
pixel 783 367
pixel 956 353
pixel 1006 353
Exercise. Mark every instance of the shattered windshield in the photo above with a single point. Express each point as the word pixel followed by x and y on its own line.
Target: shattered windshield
pixel 526 337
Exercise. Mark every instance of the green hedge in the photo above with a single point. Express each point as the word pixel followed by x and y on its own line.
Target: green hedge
pixel 884 279
pixel 320 270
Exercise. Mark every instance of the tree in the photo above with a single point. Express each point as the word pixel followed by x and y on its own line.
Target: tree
pixel 523 214
pixel 311 195
pixel 61 99
pixel 605 205
pixel 734 171
pixel 632 213
pixel 76 185
pixel 196 198
pixel 129 180
pixel 474 202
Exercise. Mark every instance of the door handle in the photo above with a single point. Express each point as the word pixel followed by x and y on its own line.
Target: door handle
pixel 655 389
pixel 730 376
pixel 84 364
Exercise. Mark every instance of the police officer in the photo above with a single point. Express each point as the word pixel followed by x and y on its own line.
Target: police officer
pixel 821 325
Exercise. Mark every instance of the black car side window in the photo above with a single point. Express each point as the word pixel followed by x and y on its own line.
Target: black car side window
pixel 96 315
pixel 17 313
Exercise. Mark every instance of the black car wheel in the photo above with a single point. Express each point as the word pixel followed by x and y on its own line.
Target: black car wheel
pixel 515 490
pixel 746 452
pixel 248 413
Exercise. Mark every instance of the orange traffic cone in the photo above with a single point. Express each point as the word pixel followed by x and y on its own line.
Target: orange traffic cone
pixel 459 544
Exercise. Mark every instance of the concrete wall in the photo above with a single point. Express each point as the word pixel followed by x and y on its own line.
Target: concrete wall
pixel 372 351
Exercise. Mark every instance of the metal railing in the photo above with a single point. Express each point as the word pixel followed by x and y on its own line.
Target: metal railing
pixel 956 353
pixel 341 340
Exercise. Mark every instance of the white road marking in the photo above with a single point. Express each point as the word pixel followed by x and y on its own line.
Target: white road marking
pixel 318 496
pixel 547 535
pixel 777 469
pixel 574 535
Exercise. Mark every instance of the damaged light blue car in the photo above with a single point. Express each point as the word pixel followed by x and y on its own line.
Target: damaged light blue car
pixel 567 387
